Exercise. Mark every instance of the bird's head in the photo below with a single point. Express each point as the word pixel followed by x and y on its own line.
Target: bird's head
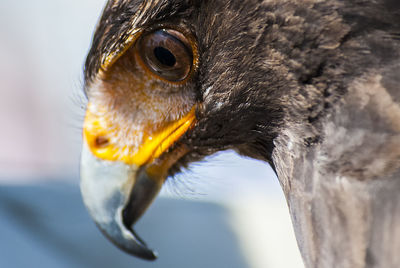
pixel 169 82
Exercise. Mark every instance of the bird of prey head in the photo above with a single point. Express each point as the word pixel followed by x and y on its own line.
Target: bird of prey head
pixel 302 85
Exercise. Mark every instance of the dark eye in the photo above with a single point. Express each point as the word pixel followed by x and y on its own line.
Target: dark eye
pixel 167 53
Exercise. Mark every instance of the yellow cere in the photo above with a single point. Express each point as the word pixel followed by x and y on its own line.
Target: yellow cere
pixel 96 135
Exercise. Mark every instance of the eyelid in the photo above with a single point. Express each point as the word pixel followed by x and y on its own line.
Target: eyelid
pixel 110 58
pixel 178 35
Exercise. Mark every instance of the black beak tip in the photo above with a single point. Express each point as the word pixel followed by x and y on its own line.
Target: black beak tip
pixel 152 256
pixel 133 245
pixel 143 253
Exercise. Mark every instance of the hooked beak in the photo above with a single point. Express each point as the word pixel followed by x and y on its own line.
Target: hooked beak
pixel 117 187
pixel 116 195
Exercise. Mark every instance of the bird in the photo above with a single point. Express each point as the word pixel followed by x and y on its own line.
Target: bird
pixel 310 87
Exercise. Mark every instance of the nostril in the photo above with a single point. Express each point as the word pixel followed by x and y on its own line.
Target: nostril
pixel 101 141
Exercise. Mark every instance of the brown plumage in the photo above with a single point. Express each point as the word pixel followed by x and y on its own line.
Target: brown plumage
pixel 312 87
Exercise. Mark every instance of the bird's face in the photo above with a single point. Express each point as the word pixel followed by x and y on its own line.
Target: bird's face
pixel 139 107
pixel 167 82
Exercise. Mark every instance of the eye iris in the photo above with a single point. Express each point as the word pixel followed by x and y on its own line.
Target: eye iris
pixel 166 53
pixel 164 56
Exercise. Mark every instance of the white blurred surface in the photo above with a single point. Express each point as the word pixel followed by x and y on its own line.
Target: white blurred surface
pixel 43 47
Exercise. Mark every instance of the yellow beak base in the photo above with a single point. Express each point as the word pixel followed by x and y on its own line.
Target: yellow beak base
pixel 98 131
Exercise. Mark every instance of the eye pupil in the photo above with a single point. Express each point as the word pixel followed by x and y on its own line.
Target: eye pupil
pixel 164 56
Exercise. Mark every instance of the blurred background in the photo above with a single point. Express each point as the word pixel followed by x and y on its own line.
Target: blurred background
pixel 226 211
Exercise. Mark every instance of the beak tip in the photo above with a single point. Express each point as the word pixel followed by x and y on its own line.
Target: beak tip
pixel 128 241
pixel 150 255
pixel 143 252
